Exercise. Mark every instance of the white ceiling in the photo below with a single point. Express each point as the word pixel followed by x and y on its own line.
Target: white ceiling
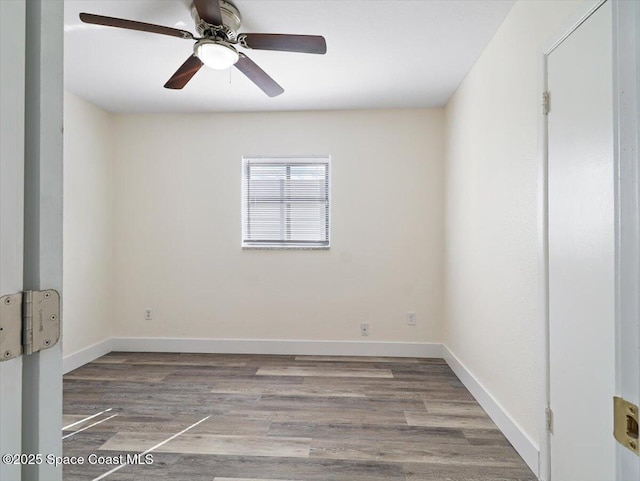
pixel 380 54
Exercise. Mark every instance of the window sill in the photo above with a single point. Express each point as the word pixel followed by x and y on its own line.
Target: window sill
pixel 285 248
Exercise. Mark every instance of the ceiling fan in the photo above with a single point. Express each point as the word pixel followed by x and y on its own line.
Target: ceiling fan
pixel 218 22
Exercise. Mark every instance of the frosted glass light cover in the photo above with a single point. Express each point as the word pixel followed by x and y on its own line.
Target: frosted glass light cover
pixel 216 55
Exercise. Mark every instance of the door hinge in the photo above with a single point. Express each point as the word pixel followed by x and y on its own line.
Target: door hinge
pixel 546 103
pixel 29 322
pixel 625 424
pixel 548 419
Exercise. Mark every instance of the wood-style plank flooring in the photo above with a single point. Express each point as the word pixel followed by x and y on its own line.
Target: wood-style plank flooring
pixel 281 418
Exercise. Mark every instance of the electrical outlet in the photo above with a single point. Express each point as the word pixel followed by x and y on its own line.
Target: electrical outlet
pixel 148 314
pixel 364 329
pixel 411 318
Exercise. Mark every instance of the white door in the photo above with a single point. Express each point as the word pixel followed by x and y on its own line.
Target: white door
pixel 582 252
pixel 31 226
pixel 12 47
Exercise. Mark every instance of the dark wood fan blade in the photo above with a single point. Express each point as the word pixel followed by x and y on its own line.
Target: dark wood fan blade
pixel 285 43
pixel 186 71
pixel 133 25
pixel 258 76
pixel 209 11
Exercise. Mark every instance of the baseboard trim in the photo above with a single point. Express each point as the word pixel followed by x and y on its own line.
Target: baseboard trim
pixel 278 346
pixel 86 355
pixel 525 447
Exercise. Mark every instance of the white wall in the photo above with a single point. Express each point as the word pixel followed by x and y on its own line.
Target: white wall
pixel 88 225
pixel 177 211
pixel 494 314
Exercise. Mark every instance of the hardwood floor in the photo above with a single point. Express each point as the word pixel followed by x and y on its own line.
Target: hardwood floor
pixel 280 418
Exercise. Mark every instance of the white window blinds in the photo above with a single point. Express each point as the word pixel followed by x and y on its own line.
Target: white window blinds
pixel 285 202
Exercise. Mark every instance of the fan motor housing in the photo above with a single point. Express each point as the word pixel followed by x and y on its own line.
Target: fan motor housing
pixel 230 17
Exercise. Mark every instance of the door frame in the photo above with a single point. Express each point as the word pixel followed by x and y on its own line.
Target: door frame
pixel 43 175
pixel 626 100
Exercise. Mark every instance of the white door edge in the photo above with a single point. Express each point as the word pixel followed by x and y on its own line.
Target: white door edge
pixel 626 98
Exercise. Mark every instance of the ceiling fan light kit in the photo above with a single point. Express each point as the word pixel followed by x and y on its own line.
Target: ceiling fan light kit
pixel 218 22
pixel 215 54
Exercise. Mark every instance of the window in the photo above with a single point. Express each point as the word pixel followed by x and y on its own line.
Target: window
pixel 285 202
